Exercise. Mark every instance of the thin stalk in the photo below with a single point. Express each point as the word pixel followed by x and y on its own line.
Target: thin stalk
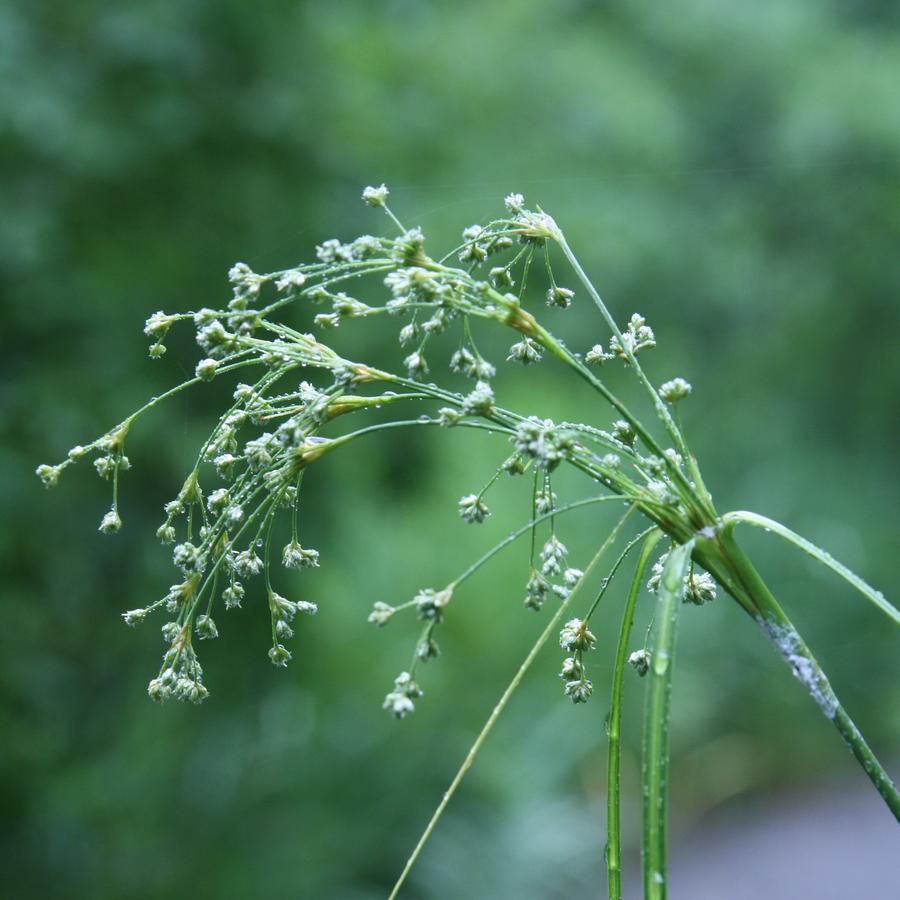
pixel 805 667
pixel 613 820
pixel 501 704
pixel 655 769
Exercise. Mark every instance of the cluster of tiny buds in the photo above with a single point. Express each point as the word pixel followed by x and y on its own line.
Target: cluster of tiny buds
pixel 542 441
pixel 430 606
pixel 296 557
pixel 674 390
pixel 283 612
pixel 576 638
pixel 180 677
pixel 639 660
pixel 473 509
pixel 381 613
pixel 539 586
pixel 376 196
pixel 526 352
pixel 560 297
pixel 699 587
pixel 638 336
pixel 399 701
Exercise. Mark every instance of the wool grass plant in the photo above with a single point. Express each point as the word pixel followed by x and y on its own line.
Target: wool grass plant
pixel 292 384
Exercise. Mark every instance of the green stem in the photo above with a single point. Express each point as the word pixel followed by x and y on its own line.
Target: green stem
pixel 805 667
pixel 613 824
pixel 821 556
pixel 656 722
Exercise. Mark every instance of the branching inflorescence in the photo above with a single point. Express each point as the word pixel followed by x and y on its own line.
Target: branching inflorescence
pixel 251 467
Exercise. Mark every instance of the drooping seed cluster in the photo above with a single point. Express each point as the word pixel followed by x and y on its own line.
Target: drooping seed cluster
pixel 246 481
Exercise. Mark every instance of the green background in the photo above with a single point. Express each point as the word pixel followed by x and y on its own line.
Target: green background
pixel 731 171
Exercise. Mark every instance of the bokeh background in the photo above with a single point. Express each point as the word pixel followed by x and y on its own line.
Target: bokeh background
pixel 731 171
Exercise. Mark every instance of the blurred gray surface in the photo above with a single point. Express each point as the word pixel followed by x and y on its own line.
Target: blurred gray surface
pixel 837 844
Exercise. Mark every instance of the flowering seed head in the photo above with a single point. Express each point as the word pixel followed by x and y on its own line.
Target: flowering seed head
pixel 575 635
pixel 296 557
pixel 206 628
pixel 415 364
pixel 110 523
pixel 515 203
pixel 482 370
pixel 637 336
pixel 279 655
pixel 188 558
pixel 473 509
pixel 501 277
pixel 552 554
pixel 480 402
pixel 572 669
pixel 544 501
pixel 640 661
pixel 542 441
pixel 170 631
pixel 525 351
pixel 376 196
pixel 674 390
pixel 134 616
pixel 579 691
pixel 246 564
pixel 699 588
pixel 596 356
pixel 158 325
pixel 462 361
pixel 447 416
pixel 232 595
pixel 381 614
pixel 399 702
pixel 560 297
pixel 217 500
pixel 49 475
pixel 427 649
pixel 105 465
pixel 206 369
pixel 431 604
pixel 623 432
pixel 290 281
pixel 535 591
pixel 656 573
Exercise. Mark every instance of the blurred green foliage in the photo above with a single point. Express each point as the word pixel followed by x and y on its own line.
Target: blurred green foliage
pixel 730 171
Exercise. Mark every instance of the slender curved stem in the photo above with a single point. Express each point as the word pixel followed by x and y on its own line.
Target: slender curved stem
pixel 821 556
pixel 501 704
pixel 613 824
pixel 656 722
